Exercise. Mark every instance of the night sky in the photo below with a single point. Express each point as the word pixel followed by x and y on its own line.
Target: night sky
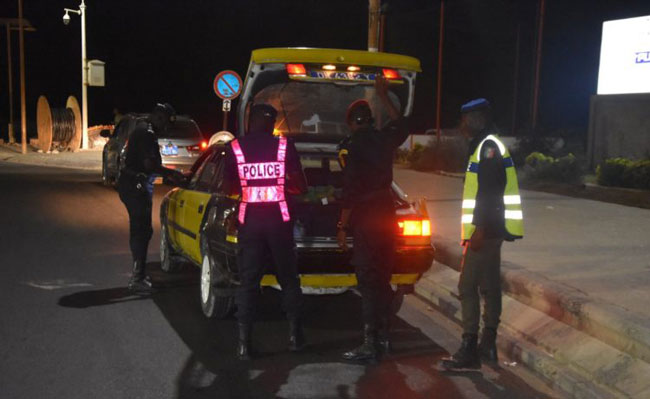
pixel 171 50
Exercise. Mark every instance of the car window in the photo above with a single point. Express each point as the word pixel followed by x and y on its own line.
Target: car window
pixel 203 174
pixel 217 182
pixel 182 129
pixel 206 176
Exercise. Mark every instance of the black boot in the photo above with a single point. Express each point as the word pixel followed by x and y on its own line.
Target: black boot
pixel 244 346
pixel 367 351
pixel 383 335
pixel 488 347
pixel 296 336
pixel 467 356
pixel 139 281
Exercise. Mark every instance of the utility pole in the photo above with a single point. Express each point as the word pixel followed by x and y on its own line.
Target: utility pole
pixel 538 63
pixel 382 27
pixel 23 115
pixel 515 89
pixel 373 25
pixel 12 136
pixel 439 84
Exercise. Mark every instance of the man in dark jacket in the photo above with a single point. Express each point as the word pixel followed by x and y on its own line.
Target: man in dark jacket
pixel 263 170
pixel 369 212
pixel 135 186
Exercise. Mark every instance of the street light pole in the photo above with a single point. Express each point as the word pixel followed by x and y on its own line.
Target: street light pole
pixel 23 112
pixel 84 79
pixel 84 71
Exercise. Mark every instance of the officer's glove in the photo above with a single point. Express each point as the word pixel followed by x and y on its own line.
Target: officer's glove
pixel 141 180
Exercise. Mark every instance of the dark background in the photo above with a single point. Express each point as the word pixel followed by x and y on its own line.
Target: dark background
pixel 171 50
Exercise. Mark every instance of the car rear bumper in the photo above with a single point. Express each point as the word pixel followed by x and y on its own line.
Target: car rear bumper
pixel 339 280
pixel 179 163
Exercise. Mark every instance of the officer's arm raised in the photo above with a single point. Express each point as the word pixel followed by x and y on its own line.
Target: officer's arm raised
pixel 381 87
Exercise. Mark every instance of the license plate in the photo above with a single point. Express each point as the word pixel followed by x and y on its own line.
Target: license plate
pixel 169 150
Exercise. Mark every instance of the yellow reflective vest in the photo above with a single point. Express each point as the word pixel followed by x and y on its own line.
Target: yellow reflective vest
pixel 511 198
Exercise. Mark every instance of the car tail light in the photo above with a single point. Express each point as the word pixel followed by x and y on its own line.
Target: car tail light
pixel 296 69
pixel 414 227
pixel 390 73
pixel 199 147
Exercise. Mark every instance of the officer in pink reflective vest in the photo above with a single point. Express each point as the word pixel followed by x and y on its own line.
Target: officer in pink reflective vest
pixel 263 170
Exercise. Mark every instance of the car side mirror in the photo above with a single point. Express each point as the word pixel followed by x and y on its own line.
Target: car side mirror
pixel 106 133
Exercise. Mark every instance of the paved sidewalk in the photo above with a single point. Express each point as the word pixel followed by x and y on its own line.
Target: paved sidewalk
pixel 83 159
pixel 583 263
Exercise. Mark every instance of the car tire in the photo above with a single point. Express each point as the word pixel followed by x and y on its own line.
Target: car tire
pixel 169 261
pixel 214 306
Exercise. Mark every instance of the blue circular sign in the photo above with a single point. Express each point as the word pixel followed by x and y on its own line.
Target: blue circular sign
pixel 227 85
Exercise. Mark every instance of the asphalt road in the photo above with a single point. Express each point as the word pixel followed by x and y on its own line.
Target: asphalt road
pixel 70 329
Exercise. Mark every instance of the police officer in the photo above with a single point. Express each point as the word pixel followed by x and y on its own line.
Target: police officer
pixel 491 213
pixel 369 215
pixel 263 169
pixel 135 186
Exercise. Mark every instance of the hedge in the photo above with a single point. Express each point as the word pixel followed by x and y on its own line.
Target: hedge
pixel 542 167
pixel 623 172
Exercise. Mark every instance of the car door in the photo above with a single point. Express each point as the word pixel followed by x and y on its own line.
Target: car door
pixel 195 201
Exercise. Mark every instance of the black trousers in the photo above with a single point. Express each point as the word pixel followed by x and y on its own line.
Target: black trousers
pixel 480 276
pixel 373 257
pixel 264 234
pixel 138 205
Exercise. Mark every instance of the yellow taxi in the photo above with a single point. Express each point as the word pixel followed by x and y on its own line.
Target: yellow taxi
pixel 311 89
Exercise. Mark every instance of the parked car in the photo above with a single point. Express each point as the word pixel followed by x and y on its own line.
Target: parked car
pixel 180 145
pixel 199 221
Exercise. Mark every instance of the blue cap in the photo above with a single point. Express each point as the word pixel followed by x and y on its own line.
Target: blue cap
pixel 474 105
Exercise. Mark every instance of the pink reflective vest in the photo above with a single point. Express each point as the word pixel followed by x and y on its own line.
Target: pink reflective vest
pixel 252 174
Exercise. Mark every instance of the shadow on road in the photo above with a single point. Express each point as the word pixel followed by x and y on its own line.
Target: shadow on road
pixel 332 325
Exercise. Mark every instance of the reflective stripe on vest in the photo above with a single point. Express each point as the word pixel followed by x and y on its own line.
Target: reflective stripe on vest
pixel 262 171
pixel 511 199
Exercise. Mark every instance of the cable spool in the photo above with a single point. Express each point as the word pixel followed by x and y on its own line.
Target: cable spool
pixel 60 126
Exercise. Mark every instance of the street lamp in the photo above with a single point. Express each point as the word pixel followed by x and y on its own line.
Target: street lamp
pixel 84 70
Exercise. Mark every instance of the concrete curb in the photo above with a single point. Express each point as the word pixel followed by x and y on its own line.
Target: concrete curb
pixel 84 160
pixel 568 359
pixel 613 325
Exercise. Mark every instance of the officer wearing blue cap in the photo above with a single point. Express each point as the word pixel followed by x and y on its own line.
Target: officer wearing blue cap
pixel 491 213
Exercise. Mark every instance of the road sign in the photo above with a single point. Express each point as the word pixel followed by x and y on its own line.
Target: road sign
pixel 227 85
pixel 226 106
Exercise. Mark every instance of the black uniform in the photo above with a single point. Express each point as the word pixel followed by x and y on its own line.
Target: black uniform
pixel 264 231
pixel 368 175
pixel 135 186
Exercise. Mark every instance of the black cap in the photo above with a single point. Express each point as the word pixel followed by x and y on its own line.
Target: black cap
pixel 263 110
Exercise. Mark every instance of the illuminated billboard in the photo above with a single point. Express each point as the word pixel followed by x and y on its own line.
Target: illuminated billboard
pixel 625 57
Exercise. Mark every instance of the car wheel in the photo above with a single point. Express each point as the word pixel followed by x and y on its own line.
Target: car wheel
pixel 168 260
pixel 213 306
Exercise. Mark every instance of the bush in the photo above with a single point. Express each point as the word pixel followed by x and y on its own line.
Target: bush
pixel 623 172
pixel 541 167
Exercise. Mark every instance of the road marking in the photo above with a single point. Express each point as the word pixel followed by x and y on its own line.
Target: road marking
pixel 56 284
